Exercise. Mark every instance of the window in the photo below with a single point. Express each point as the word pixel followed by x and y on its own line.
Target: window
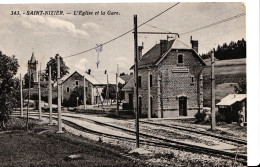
pixel 68 89
pixel 77 83
pixel 151 81
pixel 180 59
pixel 192 79
pixel 139 81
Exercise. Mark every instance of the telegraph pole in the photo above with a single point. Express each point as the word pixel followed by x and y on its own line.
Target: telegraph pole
pixel 39 93
pixel 149 94
pixel 27 115
pixel 50 96
pixel 107 92
pixel 213 118
pixel 21 94
pixel 84 96
pixel 59 95
pixel 117 105
pixel 136 81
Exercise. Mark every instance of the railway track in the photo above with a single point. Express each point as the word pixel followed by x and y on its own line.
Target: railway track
pixel 160 141
pixel 238 141
pixel 154 140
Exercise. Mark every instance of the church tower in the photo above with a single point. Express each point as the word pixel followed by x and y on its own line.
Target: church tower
pixel 32 65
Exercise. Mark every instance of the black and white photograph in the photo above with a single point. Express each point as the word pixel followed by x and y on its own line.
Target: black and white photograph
pixel 125 84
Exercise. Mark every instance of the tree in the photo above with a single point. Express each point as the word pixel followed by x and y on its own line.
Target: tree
pixel 111 92
pixel 72 101
pixel 233 50
pixel 122 74
pixel 64 70
pixel 121 94
pixel 8 86
pixel 26 80
pixel 241 88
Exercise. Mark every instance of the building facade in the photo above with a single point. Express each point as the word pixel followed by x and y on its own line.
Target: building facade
pixel 170 80
pixel 92 86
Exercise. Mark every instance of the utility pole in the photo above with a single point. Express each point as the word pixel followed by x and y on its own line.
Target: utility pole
pixel 27 115
pixel 149 94
pixel 107 92
pixel 84 96
pixel 117 105
pixel 21 94
pixel 50 95
pixel 39 93
pixel 59 95
pixel 136 81
pixel 213 118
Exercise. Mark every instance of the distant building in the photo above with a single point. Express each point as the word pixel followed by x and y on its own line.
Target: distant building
pixel 33 67
pixel 93 85
pixel 126 77
pixel 176 82
pixel 230 106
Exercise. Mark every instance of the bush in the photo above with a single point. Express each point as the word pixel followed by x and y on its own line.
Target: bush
pixel 220 117
pixel 200 116
pixel 126 106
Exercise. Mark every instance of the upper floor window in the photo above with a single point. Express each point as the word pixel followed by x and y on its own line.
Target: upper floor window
pixel 68 89
pixel 151 81
pixel 192 79
pixel 77 83
pixel 180 58
pixel 139 81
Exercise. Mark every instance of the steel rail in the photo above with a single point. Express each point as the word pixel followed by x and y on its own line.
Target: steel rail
pixel 193 147
pixel 197 131
pixel 166 142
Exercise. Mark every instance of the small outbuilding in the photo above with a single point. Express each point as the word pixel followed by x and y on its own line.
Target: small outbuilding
pixel 233 106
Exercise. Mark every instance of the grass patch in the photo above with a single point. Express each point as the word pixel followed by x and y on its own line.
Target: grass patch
pixel 20 124
pixel 21 148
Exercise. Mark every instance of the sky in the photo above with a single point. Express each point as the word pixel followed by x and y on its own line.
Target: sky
pixel 69 34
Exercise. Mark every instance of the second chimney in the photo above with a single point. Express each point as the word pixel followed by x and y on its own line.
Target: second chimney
pixel 163 46
pixel 194 44
pixel 140 48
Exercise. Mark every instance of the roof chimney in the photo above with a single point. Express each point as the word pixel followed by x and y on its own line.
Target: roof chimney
pixel 140 48
pixel 88 71
pixel 194 44
pixel 163 46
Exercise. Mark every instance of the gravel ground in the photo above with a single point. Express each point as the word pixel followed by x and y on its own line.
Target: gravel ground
pixel 161 156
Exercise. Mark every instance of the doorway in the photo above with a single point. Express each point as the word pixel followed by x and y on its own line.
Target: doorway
pixel 131 100
pixel 183 106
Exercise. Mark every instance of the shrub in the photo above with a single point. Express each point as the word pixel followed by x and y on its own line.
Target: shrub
pixel 220 117
pixel 126 106
pixel 200 116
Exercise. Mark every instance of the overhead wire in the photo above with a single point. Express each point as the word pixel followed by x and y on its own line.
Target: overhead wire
pixel 125 32
pixel 145 23
pixel 215 23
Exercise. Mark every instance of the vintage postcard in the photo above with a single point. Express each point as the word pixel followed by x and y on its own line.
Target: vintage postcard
pixel 123 84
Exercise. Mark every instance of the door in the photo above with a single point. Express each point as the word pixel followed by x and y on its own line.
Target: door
pixel 140 106
pixel 151 103
pixel 131 100
pixel 182 106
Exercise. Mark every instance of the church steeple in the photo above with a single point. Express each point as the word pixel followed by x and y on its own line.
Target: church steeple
pixel 32 66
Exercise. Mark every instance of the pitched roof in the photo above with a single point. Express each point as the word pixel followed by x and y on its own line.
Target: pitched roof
pixel 88 77
pixel 231 99
pixel 99 78
pixel 153 56
pixel 126 77
pixel 130 85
